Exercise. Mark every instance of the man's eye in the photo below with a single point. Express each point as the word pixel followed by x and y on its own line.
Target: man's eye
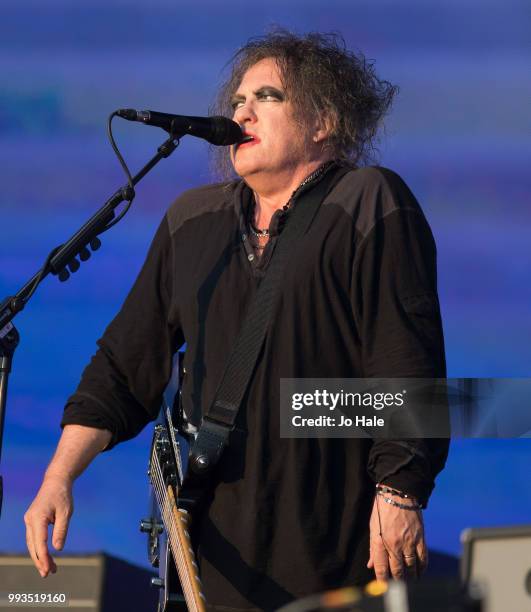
pixel 236 104
pixel 268 96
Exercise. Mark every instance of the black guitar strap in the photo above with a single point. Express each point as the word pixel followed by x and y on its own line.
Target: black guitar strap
pixel 218 422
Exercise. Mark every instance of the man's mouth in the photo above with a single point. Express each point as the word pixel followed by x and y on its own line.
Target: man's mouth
pixel 248 140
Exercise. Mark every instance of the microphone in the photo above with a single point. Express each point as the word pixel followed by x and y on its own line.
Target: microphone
pixel 216 130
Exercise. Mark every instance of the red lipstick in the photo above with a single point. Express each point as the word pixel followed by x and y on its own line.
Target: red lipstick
pixel 248 140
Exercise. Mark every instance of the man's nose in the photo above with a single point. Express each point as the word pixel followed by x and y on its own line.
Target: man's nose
pixel 245 114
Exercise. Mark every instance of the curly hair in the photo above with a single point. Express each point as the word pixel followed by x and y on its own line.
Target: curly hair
pixel 321 79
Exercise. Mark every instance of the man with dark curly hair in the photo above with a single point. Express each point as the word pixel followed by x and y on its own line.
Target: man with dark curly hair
pixel 286 517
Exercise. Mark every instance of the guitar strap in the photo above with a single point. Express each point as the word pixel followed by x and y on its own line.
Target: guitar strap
pixel 218 422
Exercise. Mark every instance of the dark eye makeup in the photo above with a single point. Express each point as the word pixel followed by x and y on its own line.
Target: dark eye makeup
pixel 269 91
pixel 261 93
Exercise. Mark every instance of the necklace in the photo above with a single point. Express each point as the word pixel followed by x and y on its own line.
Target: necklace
pixel 259 233
pixel 312 176
pixel 264 233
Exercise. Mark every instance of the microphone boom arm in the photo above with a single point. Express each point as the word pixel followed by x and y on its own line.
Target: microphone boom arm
pixel 57 262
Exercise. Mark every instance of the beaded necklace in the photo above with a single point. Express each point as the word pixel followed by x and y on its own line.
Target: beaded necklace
pixel 261 234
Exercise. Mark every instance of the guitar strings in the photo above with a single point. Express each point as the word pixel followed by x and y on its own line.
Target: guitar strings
pixel 170 528
pixel 178 535
pixel 177 530
pixel 167 507
pixel 184 576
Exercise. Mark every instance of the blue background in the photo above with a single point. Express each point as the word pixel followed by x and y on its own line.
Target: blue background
pixel 458 134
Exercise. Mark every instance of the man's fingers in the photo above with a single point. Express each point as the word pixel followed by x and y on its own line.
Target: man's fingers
pixel 37 542
pixel 60 530
pixel 411 565
pixel 380 559
pixel 38 551
pixel 52 506
pixel 40 541
pixel 31 548
pixel 396 564
pixel 422 556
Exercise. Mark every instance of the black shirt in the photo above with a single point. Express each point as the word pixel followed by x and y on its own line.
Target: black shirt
pixel 288 517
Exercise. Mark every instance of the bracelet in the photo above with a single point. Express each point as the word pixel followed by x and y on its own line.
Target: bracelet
pixel 391 491
pixel 392 502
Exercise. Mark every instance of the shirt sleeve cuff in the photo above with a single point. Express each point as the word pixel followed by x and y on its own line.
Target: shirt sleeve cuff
pixel 89 414
pixel 401 465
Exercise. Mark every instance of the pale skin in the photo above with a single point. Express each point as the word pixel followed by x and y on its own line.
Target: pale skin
pixel 397 546
pixel 53 504
pixel 282 156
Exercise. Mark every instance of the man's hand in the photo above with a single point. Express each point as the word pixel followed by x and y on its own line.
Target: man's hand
pixel 53 505
pixel 397 546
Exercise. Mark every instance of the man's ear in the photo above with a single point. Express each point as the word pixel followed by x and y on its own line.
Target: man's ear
pixel 324 126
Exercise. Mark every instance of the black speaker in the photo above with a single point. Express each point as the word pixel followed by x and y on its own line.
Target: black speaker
pixel 498 561
pixel 84 583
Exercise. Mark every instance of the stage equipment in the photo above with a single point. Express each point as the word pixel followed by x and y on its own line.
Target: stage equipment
pixel 83 583
pixel 426 595
pixel 497 561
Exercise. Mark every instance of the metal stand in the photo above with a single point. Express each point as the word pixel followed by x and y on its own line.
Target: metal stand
pixel 63 261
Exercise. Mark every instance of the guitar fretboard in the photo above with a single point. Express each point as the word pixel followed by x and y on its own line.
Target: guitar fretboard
pixel 176 522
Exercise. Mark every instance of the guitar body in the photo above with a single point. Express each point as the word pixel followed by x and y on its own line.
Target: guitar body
pixel 169 544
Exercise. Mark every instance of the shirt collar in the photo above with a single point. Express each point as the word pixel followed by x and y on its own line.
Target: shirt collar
pixel 244 198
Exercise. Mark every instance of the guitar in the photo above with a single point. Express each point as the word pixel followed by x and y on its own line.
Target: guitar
pixel 168 528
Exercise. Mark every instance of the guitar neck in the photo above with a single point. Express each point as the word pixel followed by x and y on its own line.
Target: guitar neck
pixel 176 522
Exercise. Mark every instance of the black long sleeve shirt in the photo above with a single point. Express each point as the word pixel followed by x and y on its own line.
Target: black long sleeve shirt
pixel 287 517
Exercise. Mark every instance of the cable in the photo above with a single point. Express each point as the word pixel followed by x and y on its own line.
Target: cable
pixel 42 272
pixel 129 192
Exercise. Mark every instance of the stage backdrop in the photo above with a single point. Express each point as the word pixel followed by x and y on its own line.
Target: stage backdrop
pixel 458 134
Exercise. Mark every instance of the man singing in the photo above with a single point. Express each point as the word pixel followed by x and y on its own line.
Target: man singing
pixel 358 298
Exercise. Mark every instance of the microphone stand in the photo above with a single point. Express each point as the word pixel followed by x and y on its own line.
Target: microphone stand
pixel 62 261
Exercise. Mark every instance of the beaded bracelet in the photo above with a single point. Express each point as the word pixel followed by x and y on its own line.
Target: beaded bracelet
pixel 392 491
pixel 392 502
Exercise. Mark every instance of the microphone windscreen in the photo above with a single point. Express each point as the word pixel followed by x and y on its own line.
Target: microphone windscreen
pixel 225 132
